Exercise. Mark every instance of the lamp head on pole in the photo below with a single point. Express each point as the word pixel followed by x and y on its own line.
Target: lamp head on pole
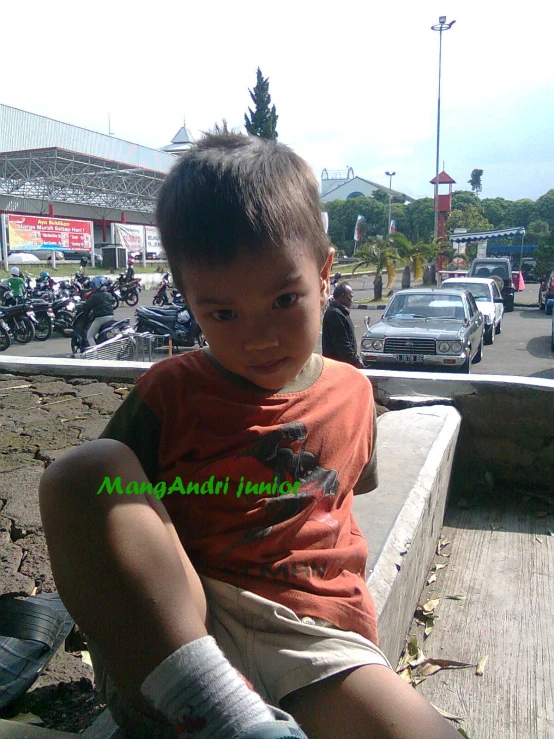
pixel 390 174
pixel 442 25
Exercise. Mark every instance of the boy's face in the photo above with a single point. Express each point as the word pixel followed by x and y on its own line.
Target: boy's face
pixel 260 315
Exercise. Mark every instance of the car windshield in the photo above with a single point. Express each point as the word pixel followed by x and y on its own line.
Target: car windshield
pixel 491 269
pixel 479 290
pixel 428 306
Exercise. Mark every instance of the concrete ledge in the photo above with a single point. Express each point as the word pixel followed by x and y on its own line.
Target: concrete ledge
pixel 20 730
pixel 402 518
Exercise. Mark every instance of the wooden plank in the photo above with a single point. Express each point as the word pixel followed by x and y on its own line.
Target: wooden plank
pixel 502 561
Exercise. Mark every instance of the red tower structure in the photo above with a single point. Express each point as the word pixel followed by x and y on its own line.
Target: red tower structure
pixel 444 208
pixel 445 201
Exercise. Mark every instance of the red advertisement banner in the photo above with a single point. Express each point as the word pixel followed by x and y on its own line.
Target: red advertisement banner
pixel 43 232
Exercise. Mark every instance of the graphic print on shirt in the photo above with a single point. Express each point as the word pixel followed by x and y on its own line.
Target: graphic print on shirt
pixel 317 483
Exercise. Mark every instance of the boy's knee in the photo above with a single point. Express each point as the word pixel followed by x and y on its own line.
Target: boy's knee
pixel 84 468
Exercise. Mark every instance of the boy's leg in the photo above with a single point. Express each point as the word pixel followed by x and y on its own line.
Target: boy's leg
pixel 126 579
pixel 116 565
pixel 370 702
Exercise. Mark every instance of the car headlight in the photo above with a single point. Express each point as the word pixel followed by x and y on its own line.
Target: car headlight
pixel 375 345
pixel 450 347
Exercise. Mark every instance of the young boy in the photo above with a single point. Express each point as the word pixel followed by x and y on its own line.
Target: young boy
pixel 239 573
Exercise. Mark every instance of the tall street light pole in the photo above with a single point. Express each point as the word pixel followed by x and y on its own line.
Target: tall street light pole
pixel 390 175
pixel 440 27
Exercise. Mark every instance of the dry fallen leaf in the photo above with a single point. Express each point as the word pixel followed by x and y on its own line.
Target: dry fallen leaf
pixel 419 659
pixel 446 664
pixel 430 606
pixel 429 626
pixel 431 579
pixel 438 566
pixel 85 656
pixel 429 669
pixel 462 732
pixel 406 674
pixel 449 716
pixel 455 597
pixel 481 665
pixel 441 544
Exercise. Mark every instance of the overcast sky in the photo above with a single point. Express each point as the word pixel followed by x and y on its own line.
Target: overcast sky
pixel 354 83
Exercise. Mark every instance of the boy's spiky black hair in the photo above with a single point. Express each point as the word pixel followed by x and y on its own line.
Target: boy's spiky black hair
pixel 232 191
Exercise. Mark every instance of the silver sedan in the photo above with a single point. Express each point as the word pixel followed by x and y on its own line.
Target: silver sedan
pixel 426 327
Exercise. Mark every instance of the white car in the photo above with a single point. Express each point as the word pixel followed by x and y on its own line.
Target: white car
pixel 488 298
pixel 22 258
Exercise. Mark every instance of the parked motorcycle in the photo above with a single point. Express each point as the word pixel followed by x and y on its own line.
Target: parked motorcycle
pixel 110 330
pixel 21 322
pixel 173 321
pixel 5 337
pixel 64 312
pixel 44 324
pixel 129 291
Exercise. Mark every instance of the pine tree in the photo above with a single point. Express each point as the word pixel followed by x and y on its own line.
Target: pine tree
pixel 475 181
pixel 263 120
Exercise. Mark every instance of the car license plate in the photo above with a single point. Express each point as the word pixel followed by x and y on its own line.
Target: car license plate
pixel 409 358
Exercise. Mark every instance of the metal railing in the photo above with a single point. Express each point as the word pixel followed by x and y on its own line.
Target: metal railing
pixel 133 347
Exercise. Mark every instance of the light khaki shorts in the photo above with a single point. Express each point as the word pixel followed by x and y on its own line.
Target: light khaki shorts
pixel 277 651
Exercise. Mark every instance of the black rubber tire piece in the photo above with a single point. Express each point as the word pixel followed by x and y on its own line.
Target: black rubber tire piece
pixel 159 301
pixel 132 298
pixel 479 354
pixel 488 336
pixel 115 301
pixel 498 329
pixel 44 327
pixel 23 330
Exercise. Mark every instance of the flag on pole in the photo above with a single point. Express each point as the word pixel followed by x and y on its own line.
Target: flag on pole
pixel 358 229
pixel 392 227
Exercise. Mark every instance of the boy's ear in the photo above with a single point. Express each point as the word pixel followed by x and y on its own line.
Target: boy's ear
pixel 325 276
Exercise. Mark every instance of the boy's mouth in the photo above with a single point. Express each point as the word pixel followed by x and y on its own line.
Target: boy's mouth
pixel 269 369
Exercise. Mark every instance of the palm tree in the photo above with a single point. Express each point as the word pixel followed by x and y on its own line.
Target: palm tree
pixel 413 254
pixel 380 253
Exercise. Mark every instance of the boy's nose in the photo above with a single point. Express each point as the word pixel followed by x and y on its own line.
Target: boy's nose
pixel 260 335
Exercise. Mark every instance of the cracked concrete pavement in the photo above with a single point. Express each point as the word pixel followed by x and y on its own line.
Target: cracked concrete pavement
pixel 41 417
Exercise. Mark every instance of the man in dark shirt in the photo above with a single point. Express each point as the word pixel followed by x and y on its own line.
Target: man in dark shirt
pixel 338 339
pixel 98 307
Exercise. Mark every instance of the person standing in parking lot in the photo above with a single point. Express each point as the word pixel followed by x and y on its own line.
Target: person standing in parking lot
pixel 338 337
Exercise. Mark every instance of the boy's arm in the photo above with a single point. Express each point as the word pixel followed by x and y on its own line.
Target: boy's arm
pixel 136 426
pixel 368 479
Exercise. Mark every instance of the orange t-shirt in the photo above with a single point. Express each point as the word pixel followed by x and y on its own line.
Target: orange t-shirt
pixel 299 547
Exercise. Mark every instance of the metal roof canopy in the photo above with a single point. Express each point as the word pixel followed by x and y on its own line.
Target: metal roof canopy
pixel 60 175
pixel 498 233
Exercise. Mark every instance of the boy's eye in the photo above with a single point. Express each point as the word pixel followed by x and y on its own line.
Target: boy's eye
pixel 222 315
pixel 286 301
